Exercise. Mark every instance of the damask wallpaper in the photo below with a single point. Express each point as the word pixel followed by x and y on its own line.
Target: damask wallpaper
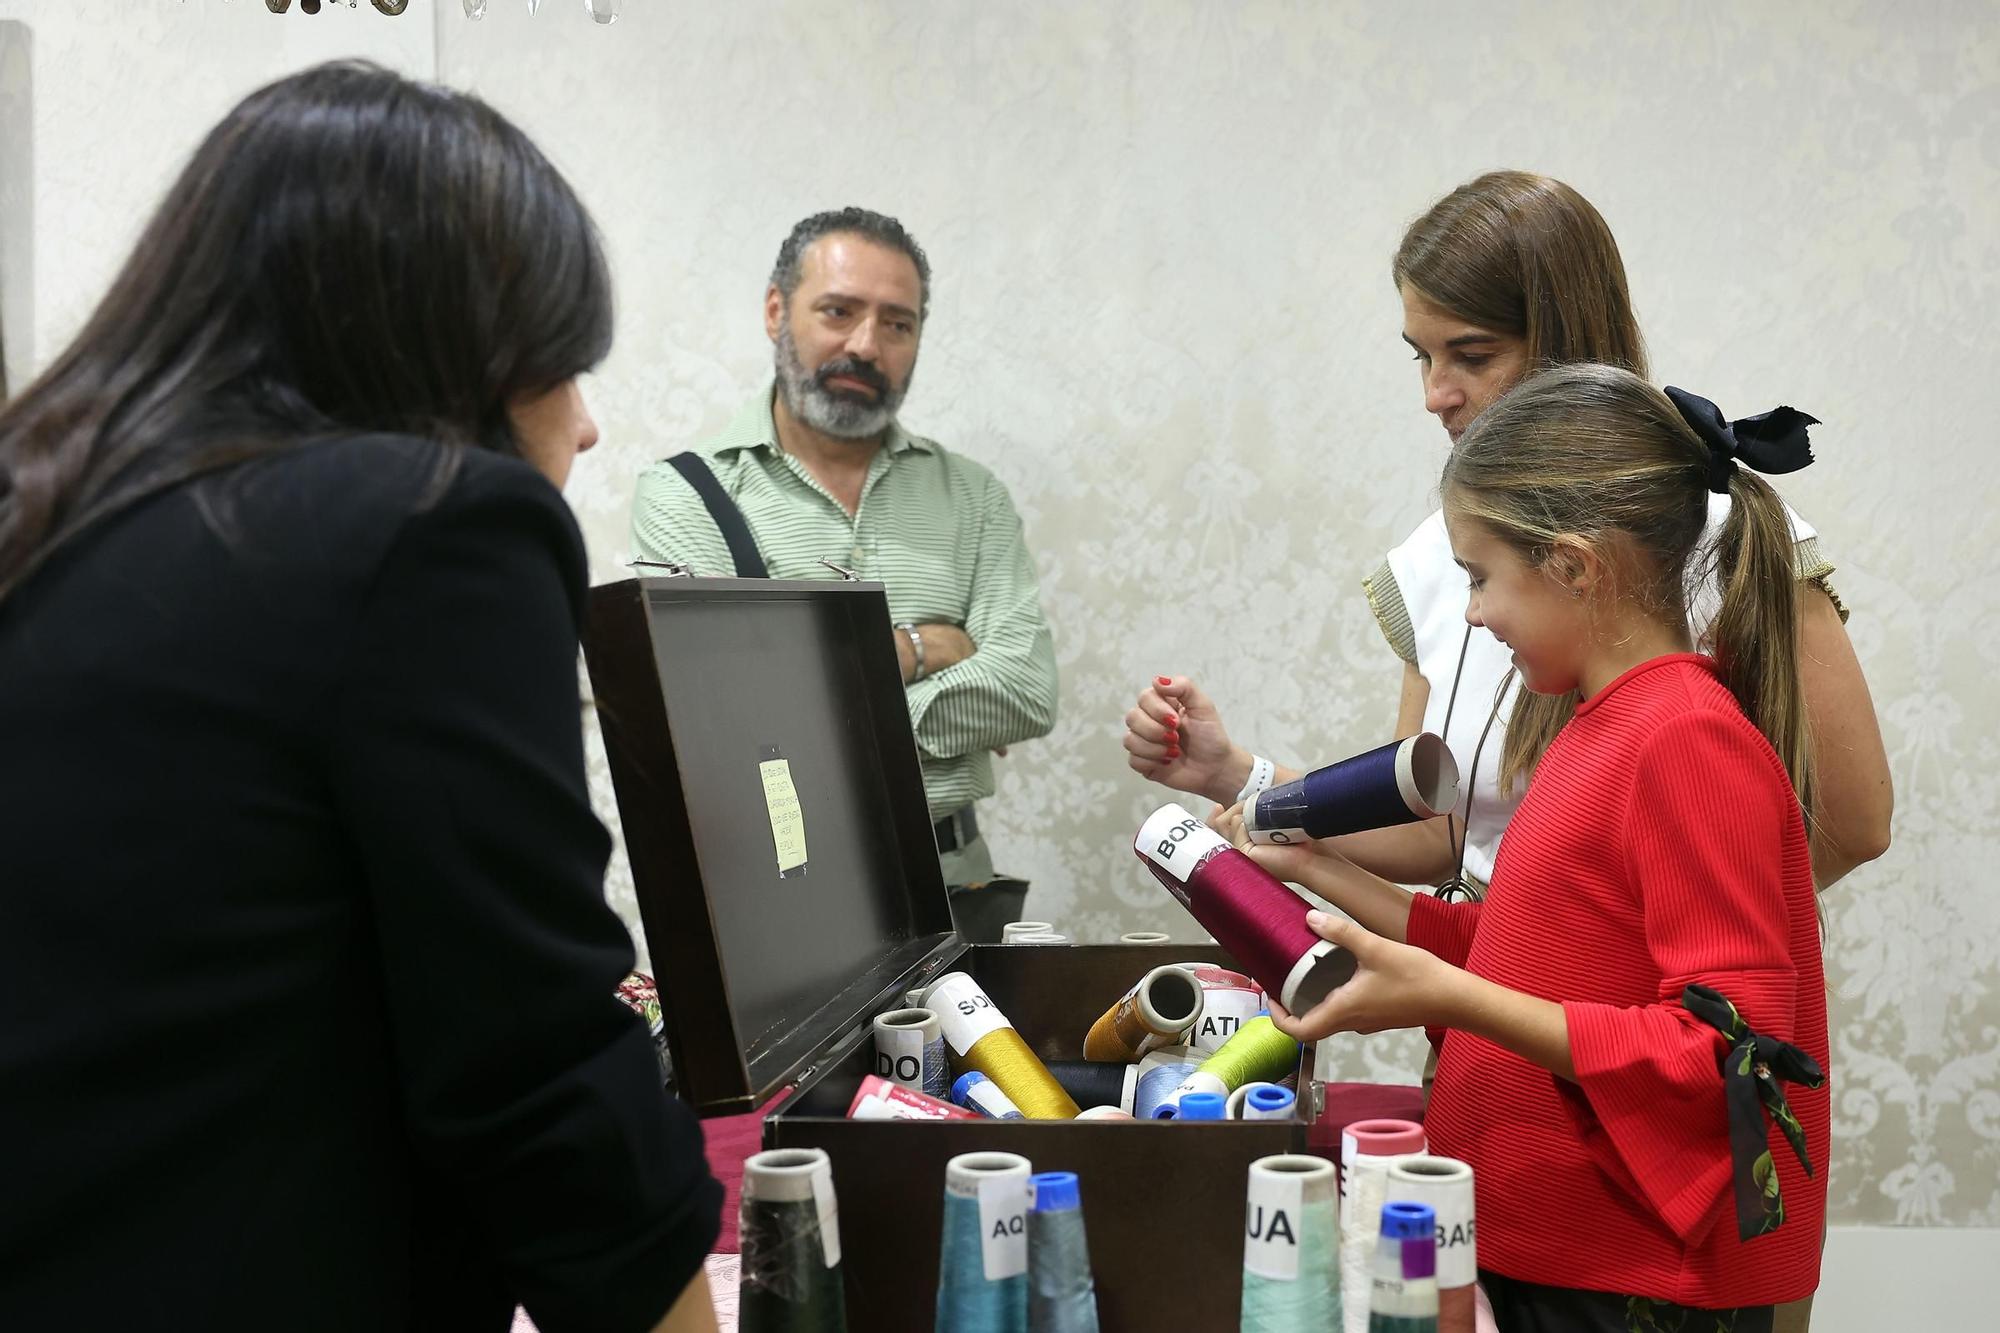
pixel 1162 314
pixel 17 169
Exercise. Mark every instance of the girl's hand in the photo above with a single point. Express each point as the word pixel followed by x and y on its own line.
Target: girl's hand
pixel 1174 736
pixel 1393 986
pixel 1292 862
pixel 1228 821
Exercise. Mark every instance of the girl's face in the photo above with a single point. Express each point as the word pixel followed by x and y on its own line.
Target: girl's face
pixel 1466 368
pixel 1530 608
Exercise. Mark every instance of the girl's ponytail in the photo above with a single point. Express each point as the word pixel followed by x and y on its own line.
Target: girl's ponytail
pixel 1755 635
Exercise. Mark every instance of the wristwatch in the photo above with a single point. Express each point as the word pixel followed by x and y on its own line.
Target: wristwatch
pixel 916 649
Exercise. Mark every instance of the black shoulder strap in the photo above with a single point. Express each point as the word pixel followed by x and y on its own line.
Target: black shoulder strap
pixel 728 518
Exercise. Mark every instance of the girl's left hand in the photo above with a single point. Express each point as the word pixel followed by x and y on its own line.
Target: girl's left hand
pixel 1228 821
pixel 1393 986
pixel 1291 862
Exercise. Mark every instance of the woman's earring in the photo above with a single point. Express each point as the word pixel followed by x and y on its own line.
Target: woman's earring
pixel 1576 592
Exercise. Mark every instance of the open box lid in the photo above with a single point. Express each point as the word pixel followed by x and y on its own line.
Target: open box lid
pixel 774 811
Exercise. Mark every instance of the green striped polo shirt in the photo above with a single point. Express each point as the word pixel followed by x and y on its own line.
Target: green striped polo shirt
pixel 937 529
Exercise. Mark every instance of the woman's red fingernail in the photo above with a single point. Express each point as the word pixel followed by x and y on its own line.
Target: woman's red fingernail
pixel 1173 752
pixel 1162 680
pixel 1172 720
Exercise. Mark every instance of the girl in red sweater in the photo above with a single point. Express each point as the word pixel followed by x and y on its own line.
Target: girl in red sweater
pixel 1634 1021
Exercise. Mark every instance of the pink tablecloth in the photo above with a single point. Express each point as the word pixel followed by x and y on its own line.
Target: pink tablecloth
pixel 730 1140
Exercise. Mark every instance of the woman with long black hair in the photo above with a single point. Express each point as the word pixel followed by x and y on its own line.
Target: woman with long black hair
pixel 308 1015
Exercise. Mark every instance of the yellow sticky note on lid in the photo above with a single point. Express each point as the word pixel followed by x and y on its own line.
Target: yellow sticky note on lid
pixel 788 821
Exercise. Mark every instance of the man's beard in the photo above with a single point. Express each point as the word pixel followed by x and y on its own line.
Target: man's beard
pixel 832 411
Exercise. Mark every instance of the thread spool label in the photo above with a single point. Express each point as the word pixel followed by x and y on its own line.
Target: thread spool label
pixel 1177 842
pixel 1457 1238
pixel 1003 1226
pixel 1271 1225
pixel 1280 836
pixel 829 1212
pixel 1198 1081
pixel 879 1099
pixel 1457 1252
pixel 986 1098
pixel 1223 1014
pixel 899 1057
pixel 968 1015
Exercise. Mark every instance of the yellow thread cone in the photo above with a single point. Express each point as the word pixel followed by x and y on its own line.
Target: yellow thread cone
pixel 1166 1002
pixel 981 1038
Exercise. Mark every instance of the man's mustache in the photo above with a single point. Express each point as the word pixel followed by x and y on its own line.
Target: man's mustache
pixel 849 368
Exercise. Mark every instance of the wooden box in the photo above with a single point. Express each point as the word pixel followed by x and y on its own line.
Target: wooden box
pixel 788 882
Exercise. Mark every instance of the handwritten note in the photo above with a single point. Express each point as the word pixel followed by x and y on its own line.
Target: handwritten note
pixel 788 821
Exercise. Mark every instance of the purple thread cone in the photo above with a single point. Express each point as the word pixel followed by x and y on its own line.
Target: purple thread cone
pixel 1398 783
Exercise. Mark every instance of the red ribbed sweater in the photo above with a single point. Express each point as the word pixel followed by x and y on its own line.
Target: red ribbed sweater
pixel 1659 843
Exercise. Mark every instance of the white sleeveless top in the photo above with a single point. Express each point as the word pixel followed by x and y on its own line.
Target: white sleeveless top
pixel 1421 608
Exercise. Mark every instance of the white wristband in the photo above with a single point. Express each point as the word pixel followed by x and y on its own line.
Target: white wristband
pixel 1262 771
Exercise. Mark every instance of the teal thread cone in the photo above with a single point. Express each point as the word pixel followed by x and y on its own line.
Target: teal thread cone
pixel 1062 1297
pixel 1378 1322
pixel 790 1276
pixel 983 1266
pixel 1291 1269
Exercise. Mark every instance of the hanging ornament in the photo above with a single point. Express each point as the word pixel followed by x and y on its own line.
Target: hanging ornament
pixel 533 5
pixel 309 6
pixel 391 7
pixel 277 6
pixel 474 9
pixel 604 11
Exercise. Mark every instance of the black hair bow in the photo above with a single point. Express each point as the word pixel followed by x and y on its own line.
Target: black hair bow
pixel 1773 441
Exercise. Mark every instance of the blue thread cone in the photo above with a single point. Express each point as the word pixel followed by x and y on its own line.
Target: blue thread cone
pixel 983 1267
pixel 1404 1297
pixel 978 1093
pixel 1411 779
pixel 1156 1085
pixel 1062 1297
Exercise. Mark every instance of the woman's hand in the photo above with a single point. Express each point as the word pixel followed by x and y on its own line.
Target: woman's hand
pixel 1393 986
pixel 1174 736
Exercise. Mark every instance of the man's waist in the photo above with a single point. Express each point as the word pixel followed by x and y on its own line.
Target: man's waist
pixel 956 829
pixel 952 784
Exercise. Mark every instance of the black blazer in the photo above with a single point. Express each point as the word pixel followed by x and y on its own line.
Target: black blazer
pixel 306 975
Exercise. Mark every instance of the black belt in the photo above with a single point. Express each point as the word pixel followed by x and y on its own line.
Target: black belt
pixel 956 829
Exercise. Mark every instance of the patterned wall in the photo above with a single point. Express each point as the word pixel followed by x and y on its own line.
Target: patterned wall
pixel 17 171
pixel 1161 234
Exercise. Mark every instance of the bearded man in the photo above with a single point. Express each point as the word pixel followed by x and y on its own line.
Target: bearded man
pixel 816 474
